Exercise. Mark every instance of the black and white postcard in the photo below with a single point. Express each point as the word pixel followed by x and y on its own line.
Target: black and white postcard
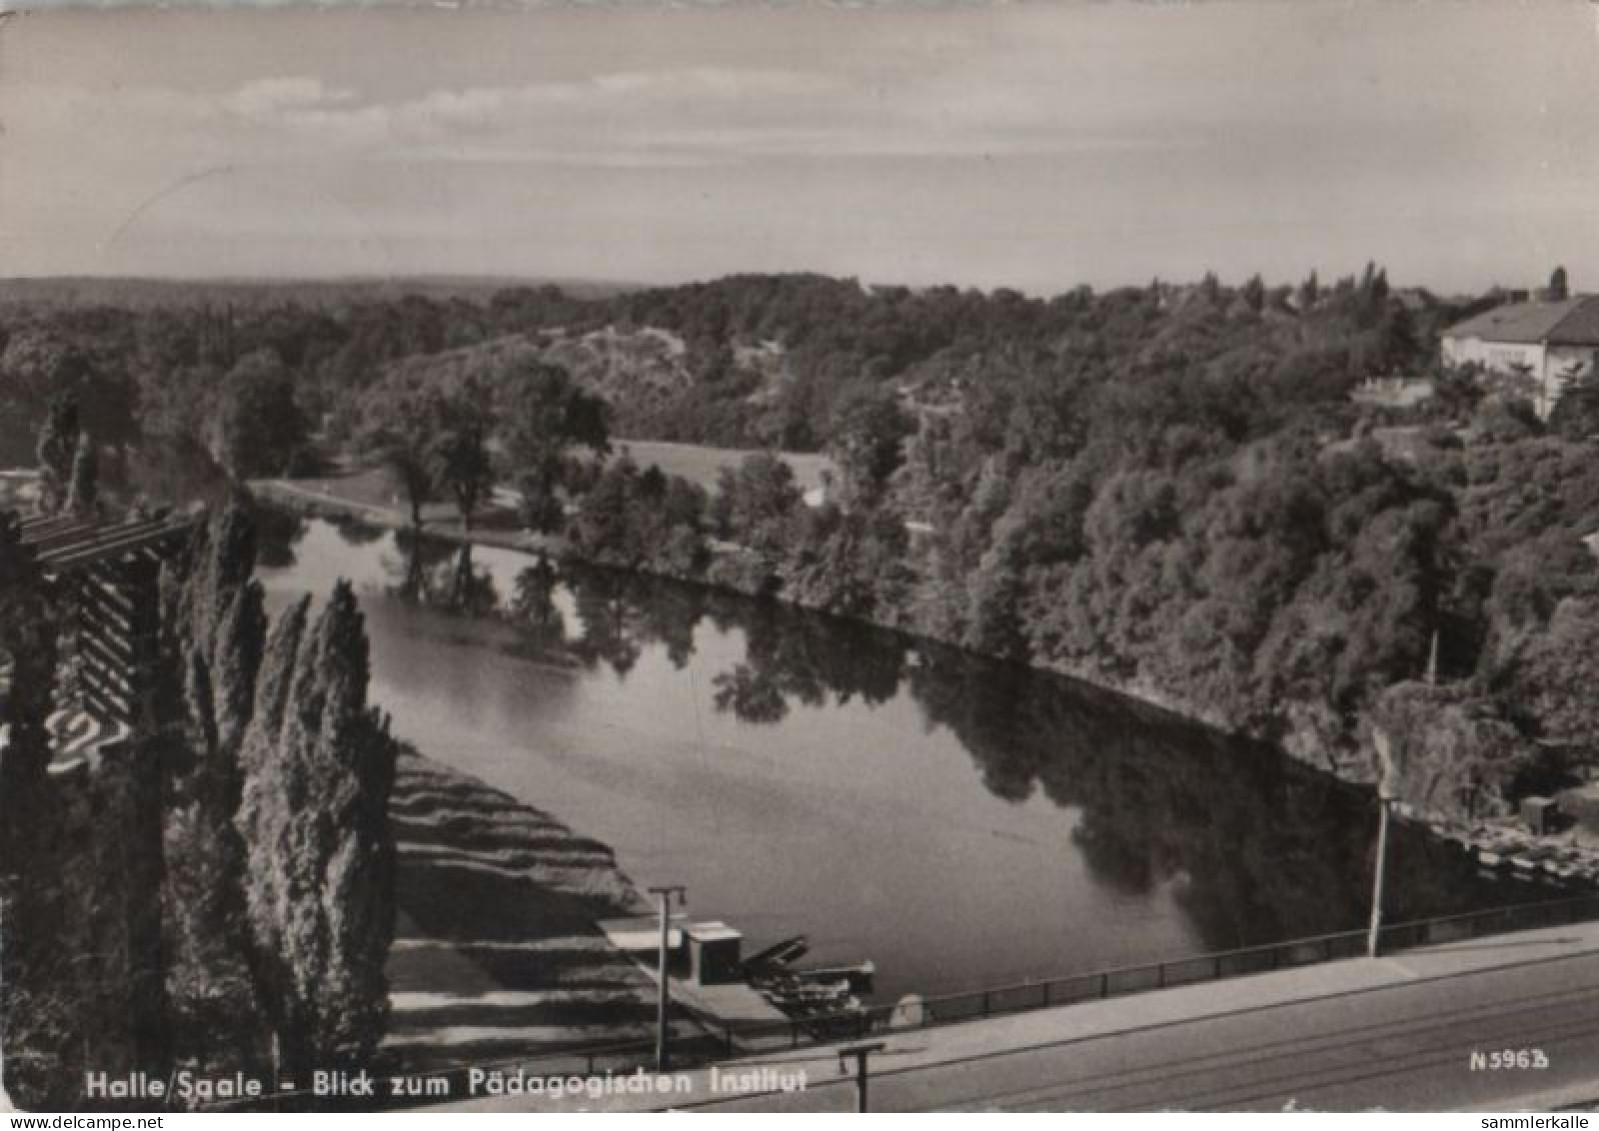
pixel 799 557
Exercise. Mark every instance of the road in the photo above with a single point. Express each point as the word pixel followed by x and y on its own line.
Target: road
pixel 1405 1047
pixel 1395 1033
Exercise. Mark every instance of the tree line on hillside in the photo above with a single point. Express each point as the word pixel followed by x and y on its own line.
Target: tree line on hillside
pixel 1165 489
pixel 218 895
pixel 749 360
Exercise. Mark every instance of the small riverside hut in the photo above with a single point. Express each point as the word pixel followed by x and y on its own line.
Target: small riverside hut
pixel 1541 815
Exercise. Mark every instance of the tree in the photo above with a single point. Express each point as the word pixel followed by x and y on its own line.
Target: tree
pixel 213 629
pixel 604 529
pixel 320 766
pixel 259 426
pixel 83 498
pixel 642 520
pixel 28 628
pixel 1309 292
pixel 1508 411
pixel 850 563
pixel 399 437
pixel 755 500
pixel 460 455
pixel 57 449
pixel 1448 752
pixel 1559 289
pixel 1556 677
pixel 868 435
pixel 39 995
pixel 58 356
pixel 1253 292
pixel 178 403
pixel 1576 413
pixel 543 414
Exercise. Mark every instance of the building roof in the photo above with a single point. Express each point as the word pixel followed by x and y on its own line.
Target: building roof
pixel 716 931
pixel 639 932
pixel 1571 322
pixel 1581 326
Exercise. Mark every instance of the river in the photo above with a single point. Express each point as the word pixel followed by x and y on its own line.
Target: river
pixel 959 821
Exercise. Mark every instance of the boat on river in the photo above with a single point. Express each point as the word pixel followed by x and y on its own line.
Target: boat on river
pixel 779 955
pixel 817 992
pixel 859 975
pixel 792 994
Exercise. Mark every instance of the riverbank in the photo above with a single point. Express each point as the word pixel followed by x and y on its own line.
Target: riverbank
pixel 496 953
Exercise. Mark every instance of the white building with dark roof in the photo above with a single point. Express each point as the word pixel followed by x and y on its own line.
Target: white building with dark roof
pixel 1551 343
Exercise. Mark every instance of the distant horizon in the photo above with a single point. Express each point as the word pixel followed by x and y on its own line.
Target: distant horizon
pixel 492 279
pixel 1035 146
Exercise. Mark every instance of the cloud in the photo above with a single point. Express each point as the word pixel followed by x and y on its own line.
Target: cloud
pixel 307 107
pixel 689 117
pixel 580 122
pixel 600 157
pixel 671 118
pixel 265 98
pixel 890 139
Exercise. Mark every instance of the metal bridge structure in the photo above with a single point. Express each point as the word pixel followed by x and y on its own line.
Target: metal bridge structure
pixel 105 576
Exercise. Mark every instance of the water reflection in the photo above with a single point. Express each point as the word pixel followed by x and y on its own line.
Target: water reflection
pixel 798 657
pixel 533 604
pixel 749 693
pixel 277 533
pixel 356 531
pixel 1261 847
pixel 440 575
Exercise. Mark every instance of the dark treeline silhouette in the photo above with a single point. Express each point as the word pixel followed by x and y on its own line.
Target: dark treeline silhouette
pixel 214 890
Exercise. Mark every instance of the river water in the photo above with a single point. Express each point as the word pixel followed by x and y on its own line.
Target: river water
pixel 961 822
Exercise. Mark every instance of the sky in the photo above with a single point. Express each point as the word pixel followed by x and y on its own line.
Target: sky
pixel 1030 145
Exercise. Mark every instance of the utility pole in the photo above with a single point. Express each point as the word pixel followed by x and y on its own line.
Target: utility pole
pixel 860 1053
pixel 665 893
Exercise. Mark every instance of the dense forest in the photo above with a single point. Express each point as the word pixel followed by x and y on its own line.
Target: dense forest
pixel 1165 489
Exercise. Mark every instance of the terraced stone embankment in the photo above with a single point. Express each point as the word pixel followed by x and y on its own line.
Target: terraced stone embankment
pixel 496 954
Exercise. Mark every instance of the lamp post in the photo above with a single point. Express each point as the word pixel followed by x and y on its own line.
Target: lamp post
pixel 665 893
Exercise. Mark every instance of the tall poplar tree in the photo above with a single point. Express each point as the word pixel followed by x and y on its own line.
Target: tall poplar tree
pixel 320 766
pixel 58 444
pixel 214 631
pixel 36 1017
pixel 83 492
